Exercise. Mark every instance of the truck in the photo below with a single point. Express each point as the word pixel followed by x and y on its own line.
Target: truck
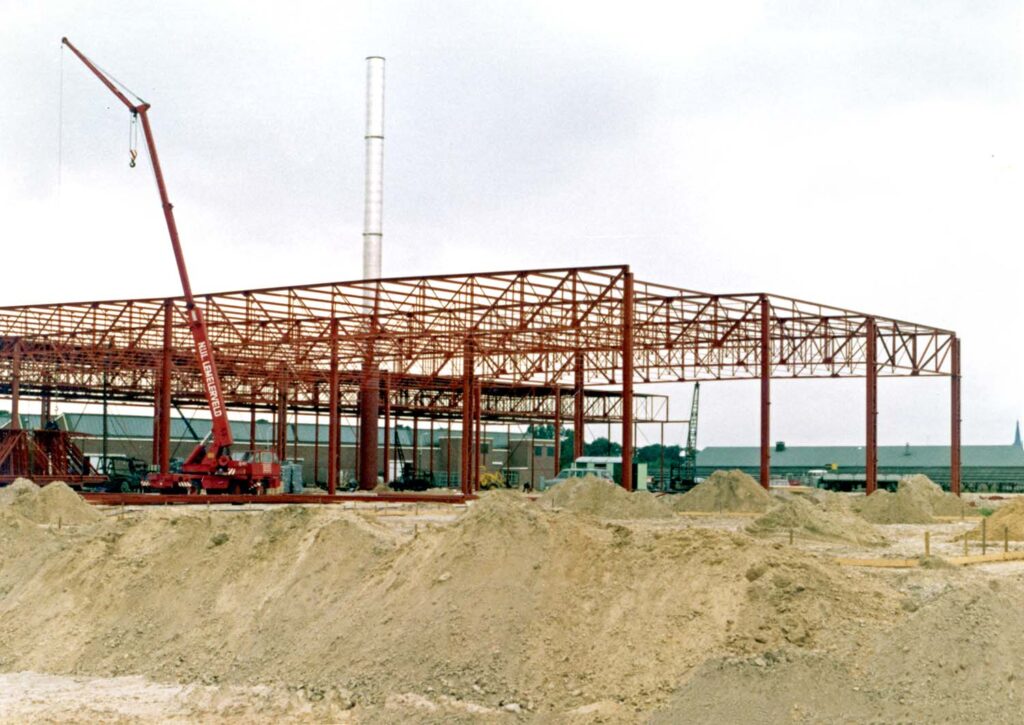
pixel 607 467
pixel 125 474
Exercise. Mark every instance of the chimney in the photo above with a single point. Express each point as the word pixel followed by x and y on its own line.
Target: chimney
pixel 374 199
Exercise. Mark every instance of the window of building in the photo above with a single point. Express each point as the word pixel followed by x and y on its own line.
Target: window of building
pixel 538 450
pixel 551 451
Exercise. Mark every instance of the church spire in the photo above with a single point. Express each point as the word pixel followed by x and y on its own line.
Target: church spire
pixel 1016 437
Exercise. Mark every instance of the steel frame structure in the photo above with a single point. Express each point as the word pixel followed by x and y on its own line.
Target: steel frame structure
pixel 563 345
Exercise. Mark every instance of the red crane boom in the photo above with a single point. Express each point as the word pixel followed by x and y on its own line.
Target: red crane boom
pixel 213 463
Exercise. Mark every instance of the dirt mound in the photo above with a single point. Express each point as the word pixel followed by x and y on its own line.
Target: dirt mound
pixel 811 520
pixel 938 501
pixel 1007 520
pixel 890 674
pixel 883 507
pixel 726 491
pixel 55 503
pixel 917 500
pixel 511 603
pixel 604 499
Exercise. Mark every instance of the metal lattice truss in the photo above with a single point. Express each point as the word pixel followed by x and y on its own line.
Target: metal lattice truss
pixel 527 333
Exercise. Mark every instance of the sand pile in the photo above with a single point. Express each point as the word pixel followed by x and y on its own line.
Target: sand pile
pixel 917 500
pixel 55 503
pixel 604 499
pixel 808 519
pixel 726 491
pixel 974 635
pixel 512 603
pixel 1007 520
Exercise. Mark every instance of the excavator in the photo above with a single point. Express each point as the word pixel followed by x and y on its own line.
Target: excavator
pixel 210 468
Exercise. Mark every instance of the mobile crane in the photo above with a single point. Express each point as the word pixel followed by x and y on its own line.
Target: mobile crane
pixel 210 467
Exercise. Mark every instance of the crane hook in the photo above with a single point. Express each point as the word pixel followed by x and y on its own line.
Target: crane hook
pixel 133 139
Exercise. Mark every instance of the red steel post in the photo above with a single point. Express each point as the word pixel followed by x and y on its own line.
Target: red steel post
pixel 252 422
pixel 871 445
pixel 627 381
pixel 477 437
pixel 954 443
pixel 386 391
pixel 295 432
pixel 430 463
pixel 415 442
pixel 369 412
pixel 467 419
pixel 333 417
pixel 164 444
pixel 558 432
pixel 155 451
pixel 281 416
pixel 316 433
pixel 766 393
pixel 16 386
pixel 578 421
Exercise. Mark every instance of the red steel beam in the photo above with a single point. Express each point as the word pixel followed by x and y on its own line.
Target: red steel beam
pixel 153 499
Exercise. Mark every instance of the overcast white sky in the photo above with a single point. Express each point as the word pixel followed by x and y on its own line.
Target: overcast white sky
pixel 863 154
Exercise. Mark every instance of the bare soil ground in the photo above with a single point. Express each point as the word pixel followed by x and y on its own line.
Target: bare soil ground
pixel 507 610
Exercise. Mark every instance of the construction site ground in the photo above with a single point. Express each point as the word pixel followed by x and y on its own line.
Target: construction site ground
pixel 508 609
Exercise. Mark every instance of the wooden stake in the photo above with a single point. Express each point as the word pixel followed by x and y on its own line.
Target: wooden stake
pixel 984 537
pixel 1006 538
pixel 927 543
pixel 790 536
pixel 965 544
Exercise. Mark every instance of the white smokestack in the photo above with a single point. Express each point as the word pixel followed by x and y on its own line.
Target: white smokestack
pixel 374 209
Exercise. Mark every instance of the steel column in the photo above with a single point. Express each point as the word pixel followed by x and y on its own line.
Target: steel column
pixel 558 432
pixel 448 456
pixel 627 382
pixel 954 443
pixel 316 433
pixel 386 391
pixel 467 421
pixel 430 463
pixel 281 418
pixel 871 377
pixel 16 386
pixel 369 410
pixel 477 440
pixel 415 443
pixel 44 408
pixel 333 415
pixel 766 393
pixel 164 442
pixel 578 422
pixel 295 433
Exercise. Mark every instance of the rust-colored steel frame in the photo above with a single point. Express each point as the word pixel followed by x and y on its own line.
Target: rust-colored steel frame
pixel 492 346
